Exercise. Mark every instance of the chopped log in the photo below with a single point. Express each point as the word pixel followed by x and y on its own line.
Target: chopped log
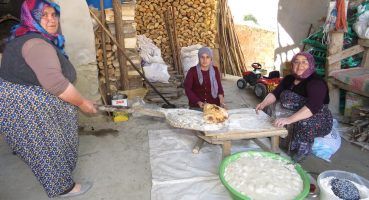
pixel 191 17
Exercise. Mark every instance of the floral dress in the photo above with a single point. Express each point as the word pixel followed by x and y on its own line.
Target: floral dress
pixel 304 131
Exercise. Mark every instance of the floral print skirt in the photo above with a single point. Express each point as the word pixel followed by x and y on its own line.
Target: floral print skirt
pixel 304 131
pixel 42 130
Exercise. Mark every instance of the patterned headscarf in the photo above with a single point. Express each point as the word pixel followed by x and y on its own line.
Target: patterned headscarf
pixel 31 13
pixel 309 71
pixel 213 79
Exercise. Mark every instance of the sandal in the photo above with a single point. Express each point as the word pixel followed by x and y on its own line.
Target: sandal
pixel 84 188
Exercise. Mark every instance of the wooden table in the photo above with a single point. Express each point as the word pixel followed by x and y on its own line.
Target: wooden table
pixel 243 124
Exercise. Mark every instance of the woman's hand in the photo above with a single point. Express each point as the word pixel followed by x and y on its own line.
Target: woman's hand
pixel 258 107
pixel 281 122
pixel 87 106
pixel 269 99
pixel 72 96
pixel 201 104
pixel 221 101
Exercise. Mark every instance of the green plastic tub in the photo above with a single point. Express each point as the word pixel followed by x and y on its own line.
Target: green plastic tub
pixel 238 196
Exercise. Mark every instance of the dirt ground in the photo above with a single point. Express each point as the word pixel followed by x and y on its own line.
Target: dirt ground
pixel 115 156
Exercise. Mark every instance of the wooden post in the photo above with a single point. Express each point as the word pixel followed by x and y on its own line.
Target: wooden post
pixel 335 46
pixel 107 81
pixel 262 145
pixel 275 144
pixel 175 40
pixel 170 33
pixel 365 60
pixel 198 145
pixel 117 8
pixel 226 148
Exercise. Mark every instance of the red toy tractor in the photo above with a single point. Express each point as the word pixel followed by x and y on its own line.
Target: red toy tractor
pixel 262 84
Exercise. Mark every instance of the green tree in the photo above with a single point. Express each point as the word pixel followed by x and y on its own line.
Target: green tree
pixel 250 18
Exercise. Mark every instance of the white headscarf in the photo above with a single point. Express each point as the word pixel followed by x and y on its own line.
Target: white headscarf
pixel 213 79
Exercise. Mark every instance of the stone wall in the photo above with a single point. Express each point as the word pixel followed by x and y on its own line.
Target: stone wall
pixel 257 45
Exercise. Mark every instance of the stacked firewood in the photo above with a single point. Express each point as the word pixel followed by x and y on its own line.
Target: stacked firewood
pixel 112 63
pixel 195 23
pixel 358 132
pixel 360 118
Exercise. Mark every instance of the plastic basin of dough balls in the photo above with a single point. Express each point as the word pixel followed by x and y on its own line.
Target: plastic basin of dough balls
pixel 326 192
pixel 238 196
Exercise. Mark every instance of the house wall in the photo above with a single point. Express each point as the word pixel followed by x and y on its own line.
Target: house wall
pixel 289 19
pixel 257 46
pixel 294 19
pixel 77 28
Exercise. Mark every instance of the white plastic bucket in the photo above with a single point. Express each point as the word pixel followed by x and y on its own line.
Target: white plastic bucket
pixel 326 192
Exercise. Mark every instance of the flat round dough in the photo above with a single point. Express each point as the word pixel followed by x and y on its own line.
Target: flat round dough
pixel 214 114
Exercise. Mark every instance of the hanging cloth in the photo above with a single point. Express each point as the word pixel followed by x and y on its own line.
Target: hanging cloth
pixel 330 22
pixel 341 21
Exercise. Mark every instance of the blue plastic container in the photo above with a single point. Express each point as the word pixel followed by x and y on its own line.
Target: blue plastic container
pixel 96 3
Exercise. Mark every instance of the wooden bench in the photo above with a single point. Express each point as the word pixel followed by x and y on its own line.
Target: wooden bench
pixel 333 64
pixel 243 124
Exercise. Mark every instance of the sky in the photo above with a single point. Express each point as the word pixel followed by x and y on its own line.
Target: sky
pixel 265 12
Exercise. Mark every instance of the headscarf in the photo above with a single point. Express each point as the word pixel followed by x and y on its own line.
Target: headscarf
pixel 309 71
pixel 31 13
pixel 213 79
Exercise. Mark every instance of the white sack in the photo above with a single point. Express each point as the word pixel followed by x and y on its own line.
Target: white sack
pixel 361 26
pixel 157 72
pixel 189 57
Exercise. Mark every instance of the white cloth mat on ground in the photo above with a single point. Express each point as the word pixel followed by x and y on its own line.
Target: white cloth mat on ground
pixel 179 174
